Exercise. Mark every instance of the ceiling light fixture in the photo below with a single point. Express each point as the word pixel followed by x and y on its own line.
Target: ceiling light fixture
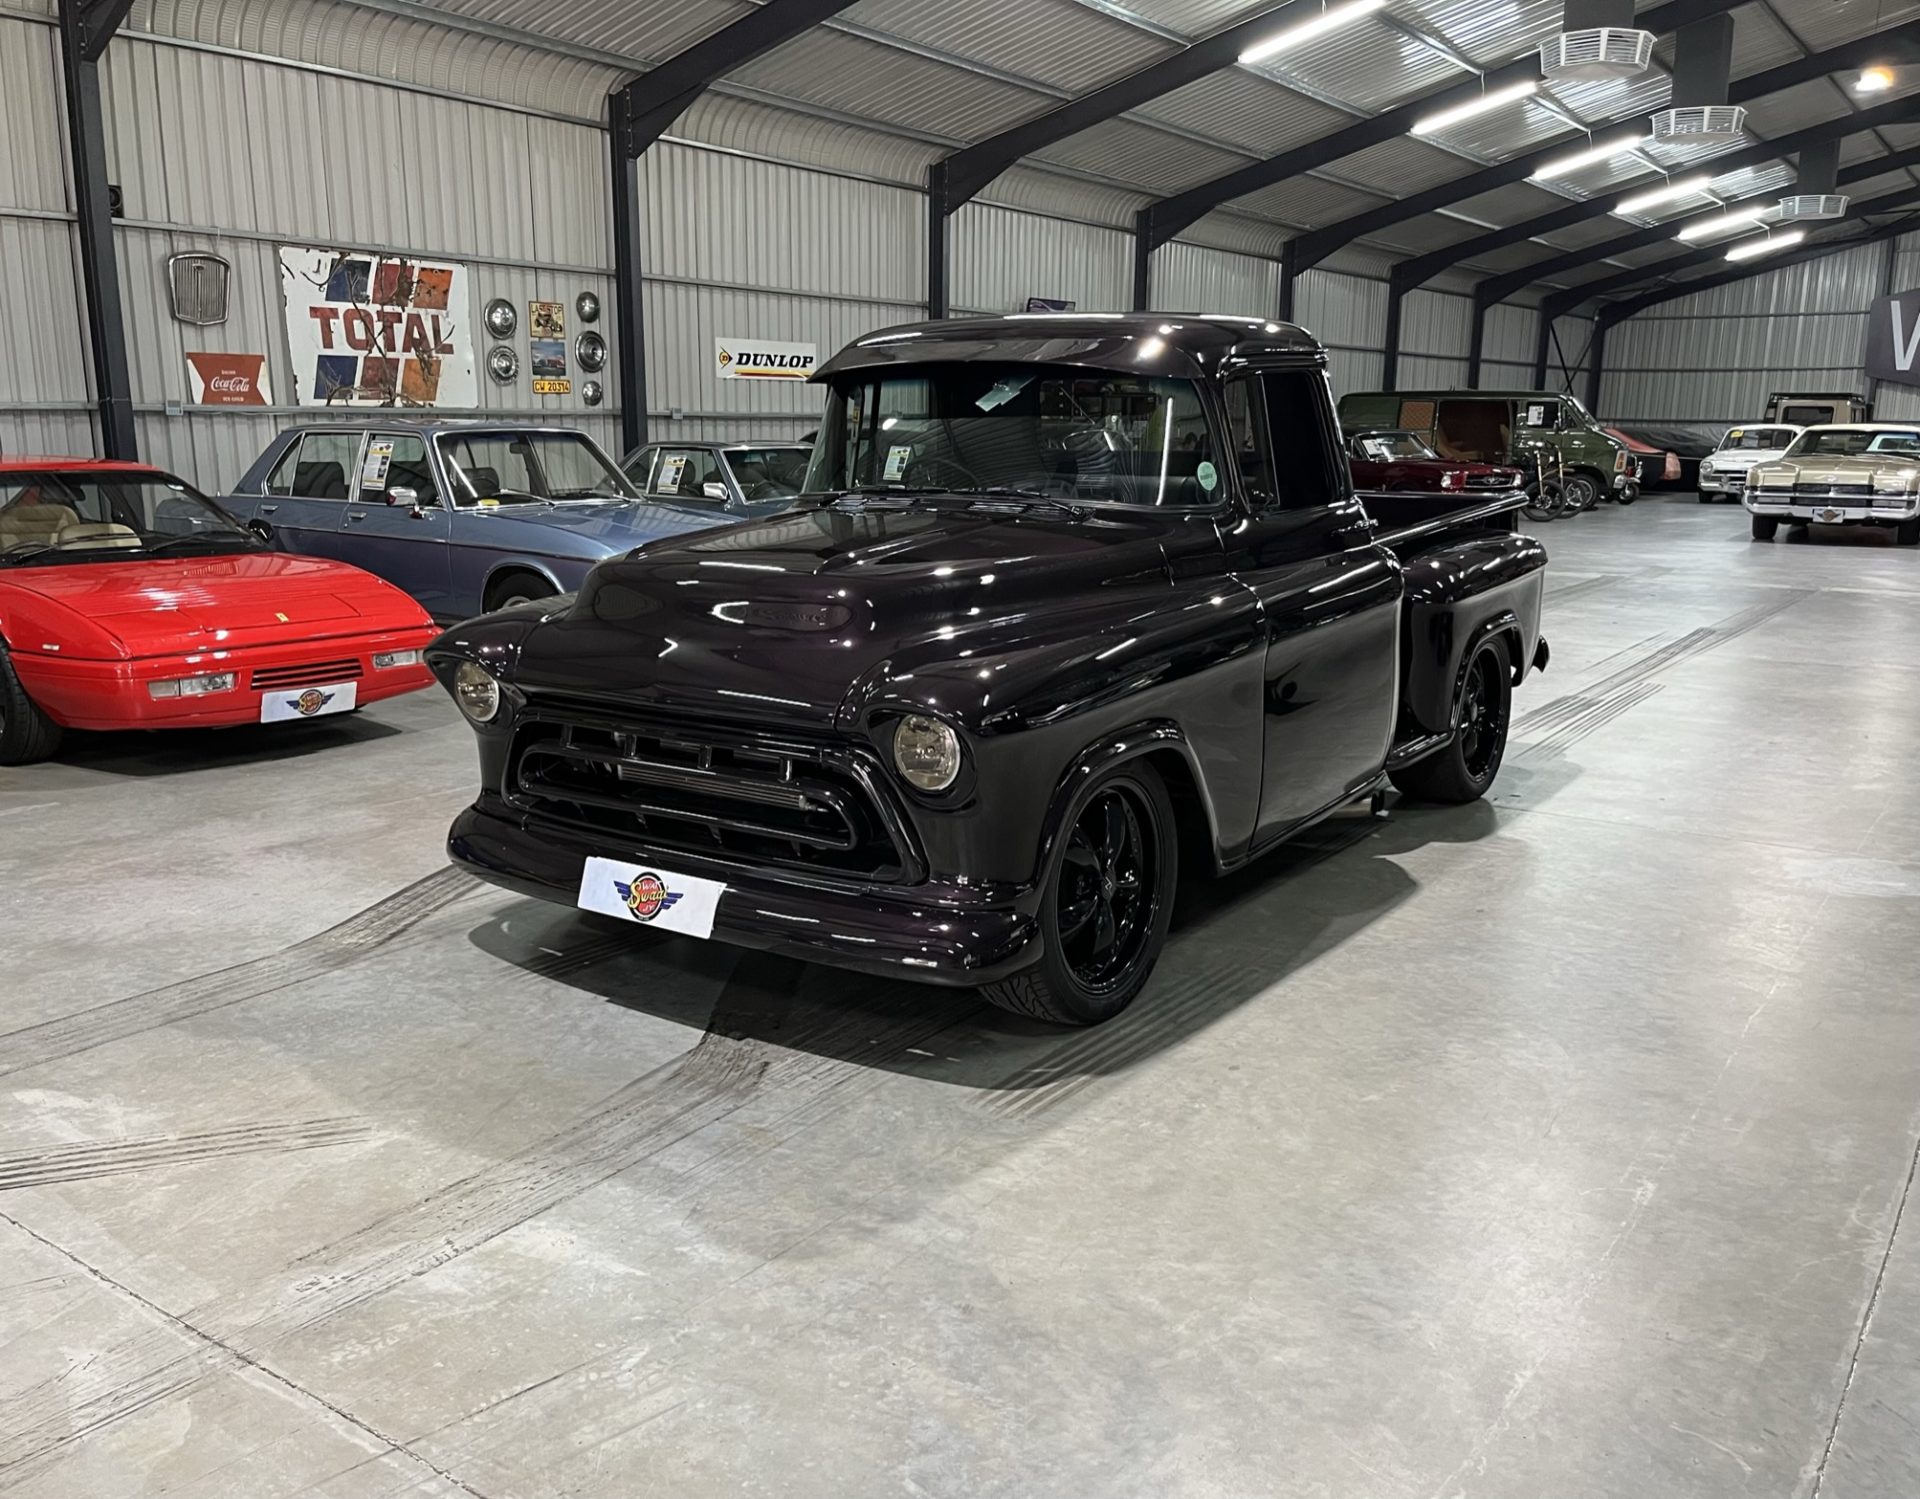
pixel 1330 19
pixel 1472 107
pixel 1560 166
pixel 1766 244
pixel 1685 187
pixel 1733 219
pixel 1874 81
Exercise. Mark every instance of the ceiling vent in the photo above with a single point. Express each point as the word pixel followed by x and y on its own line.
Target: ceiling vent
pixel 1804 206
pixel 1596 54
pixel 1700 124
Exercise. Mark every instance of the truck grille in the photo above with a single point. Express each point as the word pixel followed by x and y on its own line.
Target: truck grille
pixel 306 674
pixel 721 793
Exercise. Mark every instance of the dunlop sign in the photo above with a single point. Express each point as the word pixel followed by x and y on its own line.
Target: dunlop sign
pixel 1893 339
pixel 756 359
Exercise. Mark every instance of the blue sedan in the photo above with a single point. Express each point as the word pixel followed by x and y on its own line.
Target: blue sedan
pixel 465 516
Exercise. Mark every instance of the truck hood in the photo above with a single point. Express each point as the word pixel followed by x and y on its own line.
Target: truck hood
pixel 785 618
pixel 171 605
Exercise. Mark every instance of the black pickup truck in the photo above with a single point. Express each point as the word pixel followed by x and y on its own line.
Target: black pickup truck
pixel 1070 605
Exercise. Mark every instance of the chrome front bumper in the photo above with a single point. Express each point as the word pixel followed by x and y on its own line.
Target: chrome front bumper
pixel 1839 510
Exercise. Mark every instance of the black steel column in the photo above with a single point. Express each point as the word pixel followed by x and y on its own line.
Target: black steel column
pixel 1596 361
pixel 939 240
pixel 86 26
pixel 1476 343
pixel 1142 258
pixel 629 315
pixel 1390 355
pixel 1289 259
pixel 1542 336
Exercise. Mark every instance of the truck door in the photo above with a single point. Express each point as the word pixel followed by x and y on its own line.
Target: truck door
pixel 1329 594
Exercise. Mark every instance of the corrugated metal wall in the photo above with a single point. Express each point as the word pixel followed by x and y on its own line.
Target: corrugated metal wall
pixel 1714 357
pixel 215 149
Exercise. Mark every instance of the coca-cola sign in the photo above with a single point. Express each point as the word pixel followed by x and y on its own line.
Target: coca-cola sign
pixel 229 379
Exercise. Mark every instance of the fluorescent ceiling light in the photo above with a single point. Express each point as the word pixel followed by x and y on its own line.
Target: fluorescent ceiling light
pixel 1685 187
pixel 1330 19
pixel 1565 164
pixel 1766 244
pixel 1874 81
pixel 1474 107
pixel 1703 228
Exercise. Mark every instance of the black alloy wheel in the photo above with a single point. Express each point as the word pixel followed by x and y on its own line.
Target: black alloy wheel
pixel 1463 770
pixel 1106 903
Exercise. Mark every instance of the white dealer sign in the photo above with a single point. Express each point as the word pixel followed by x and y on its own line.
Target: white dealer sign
pixel 756 359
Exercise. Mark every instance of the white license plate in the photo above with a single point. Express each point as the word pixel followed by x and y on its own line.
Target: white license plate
pixel 651 896
pixel 1829 514
pixel 307 702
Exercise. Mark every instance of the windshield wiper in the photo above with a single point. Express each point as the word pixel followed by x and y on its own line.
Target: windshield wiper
pixel 168 543
pixel 1027 498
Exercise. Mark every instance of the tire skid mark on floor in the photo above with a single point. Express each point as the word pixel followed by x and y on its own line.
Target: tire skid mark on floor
pixel 1566 720
pixel 81 1162
pixel 339 945
pixel 819 1054
pixel 1563 592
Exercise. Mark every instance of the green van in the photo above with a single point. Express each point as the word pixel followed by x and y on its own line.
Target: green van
pixel 1526 428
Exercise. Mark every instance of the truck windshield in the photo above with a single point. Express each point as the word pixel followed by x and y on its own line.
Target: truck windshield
pixel 1055 431
pixel 1832 442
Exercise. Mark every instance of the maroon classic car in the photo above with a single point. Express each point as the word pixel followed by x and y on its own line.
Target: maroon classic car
pixel 1384 459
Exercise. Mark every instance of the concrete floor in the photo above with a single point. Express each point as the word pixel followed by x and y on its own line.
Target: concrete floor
pixel 1555 1146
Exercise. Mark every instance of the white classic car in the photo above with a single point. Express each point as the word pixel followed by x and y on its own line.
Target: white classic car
pixel 1861 474
pixel 1723 472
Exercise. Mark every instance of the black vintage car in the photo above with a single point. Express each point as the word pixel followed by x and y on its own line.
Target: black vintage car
pixel 1069 605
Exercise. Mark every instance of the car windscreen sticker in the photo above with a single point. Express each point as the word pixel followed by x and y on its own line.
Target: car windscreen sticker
pixel 650 896
pixel 373 470
pixel 672 467
pixel 1208 475
pixel 897 460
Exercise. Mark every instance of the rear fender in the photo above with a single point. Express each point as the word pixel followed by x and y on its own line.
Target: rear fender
pixel 1456 598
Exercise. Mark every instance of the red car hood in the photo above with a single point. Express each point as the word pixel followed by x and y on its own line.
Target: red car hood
pixel 168 605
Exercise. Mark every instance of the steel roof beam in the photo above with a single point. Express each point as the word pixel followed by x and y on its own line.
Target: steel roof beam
pixel 639 112
pixel 1160 221
pixel 1562 302
pixel 1613 313
pixel 1424 267
pixel 1904 41
pixel 1496 289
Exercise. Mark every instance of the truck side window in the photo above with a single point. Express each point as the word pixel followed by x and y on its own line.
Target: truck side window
pixel 1299 421
pixel 1246 417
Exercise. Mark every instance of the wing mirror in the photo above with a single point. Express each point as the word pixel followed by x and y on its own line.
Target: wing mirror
pixel 715 492
pixel 400 494
pixel 259 530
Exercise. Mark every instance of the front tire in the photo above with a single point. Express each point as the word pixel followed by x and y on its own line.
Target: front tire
pixel 1105 902
pixel 1582 492
pixel 26 734
pixel 1907 533
pixel 1483 712
pixel 1764 527
pixel 516 588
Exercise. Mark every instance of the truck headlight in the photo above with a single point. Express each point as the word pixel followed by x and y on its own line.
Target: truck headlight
pixel 475 690
pixel 926 752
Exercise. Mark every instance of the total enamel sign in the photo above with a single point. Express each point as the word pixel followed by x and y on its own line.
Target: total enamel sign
pixel 756 359
pixel 228 379
pixel 369 329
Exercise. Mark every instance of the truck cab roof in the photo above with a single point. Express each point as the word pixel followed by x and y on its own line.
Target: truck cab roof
pixel 1178 344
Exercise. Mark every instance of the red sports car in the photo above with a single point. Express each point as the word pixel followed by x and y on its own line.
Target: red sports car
pixel 1385 459
pixel 129 600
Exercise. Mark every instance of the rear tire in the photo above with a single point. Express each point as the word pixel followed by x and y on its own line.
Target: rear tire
pixel 1482 713
pixel 1104 904
pixel 1764 527
pixel 517 588
pixel 26 734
